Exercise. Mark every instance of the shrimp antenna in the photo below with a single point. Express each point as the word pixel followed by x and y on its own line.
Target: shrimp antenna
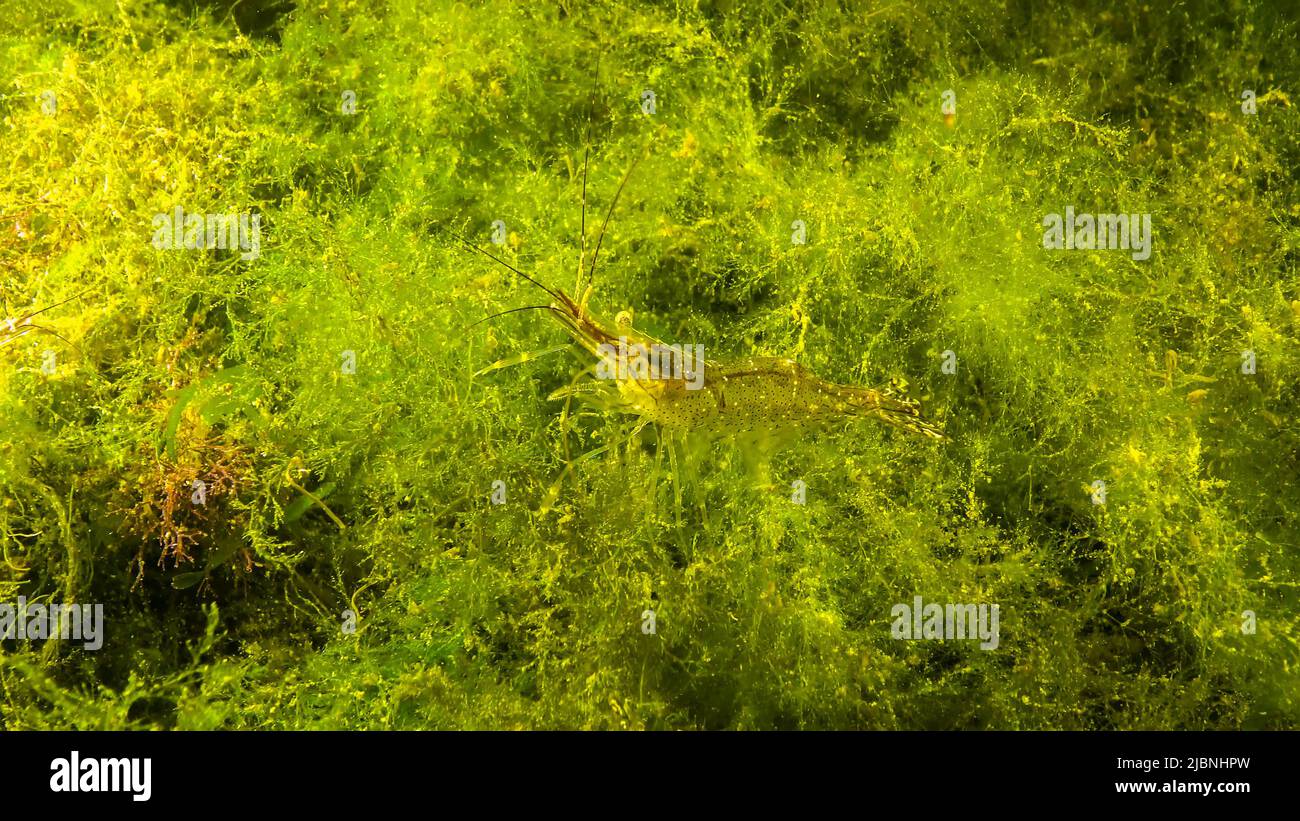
pixel 28 327
pixel 511 311
pixel 501 261
pixel 77 295
pixel 586 159
pixel 591 276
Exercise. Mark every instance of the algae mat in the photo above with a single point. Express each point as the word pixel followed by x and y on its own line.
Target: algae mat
pixel 973 336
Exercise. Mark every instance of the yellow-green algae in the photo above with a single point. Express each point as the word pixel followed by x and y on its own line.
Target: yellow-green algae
pixel 923 236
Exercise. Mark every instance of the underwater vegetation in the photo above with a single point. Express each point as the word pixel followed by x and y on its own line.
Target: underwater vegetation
pixel 252 402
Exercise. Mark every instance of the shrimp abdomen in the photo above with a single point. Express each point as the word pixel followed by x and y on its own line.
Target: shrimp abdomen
pixel 769 394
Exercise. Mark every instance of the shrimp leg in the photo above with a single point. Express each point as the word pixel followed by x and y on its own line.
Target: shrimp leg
pixel 677 482
pixel 553 492
pixel 519 359
pixel 568 400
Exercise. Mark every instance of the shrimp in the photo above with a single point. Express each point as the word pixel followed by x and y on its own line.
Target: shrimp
pixel 11 330
pixel 755 395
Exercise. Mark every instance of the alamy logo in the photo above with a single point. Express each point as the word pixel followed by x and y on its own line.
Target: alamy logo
pixel 75 774
pixel 30 622
pixel 637 361
pixel 946 622
pixel 178 230
pixel 1085 232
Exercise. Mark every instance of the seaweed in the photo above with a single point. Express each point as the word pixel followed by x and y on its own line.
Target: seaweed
pixel 1121 475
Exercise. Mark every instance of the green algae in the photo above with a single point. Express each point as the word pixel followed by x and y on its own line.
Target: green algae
pixel 923 237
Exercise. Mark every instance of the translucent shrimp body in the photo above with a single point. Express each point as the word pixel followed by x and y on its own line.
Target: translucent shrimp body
pixel 753 395
pixel 769 394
